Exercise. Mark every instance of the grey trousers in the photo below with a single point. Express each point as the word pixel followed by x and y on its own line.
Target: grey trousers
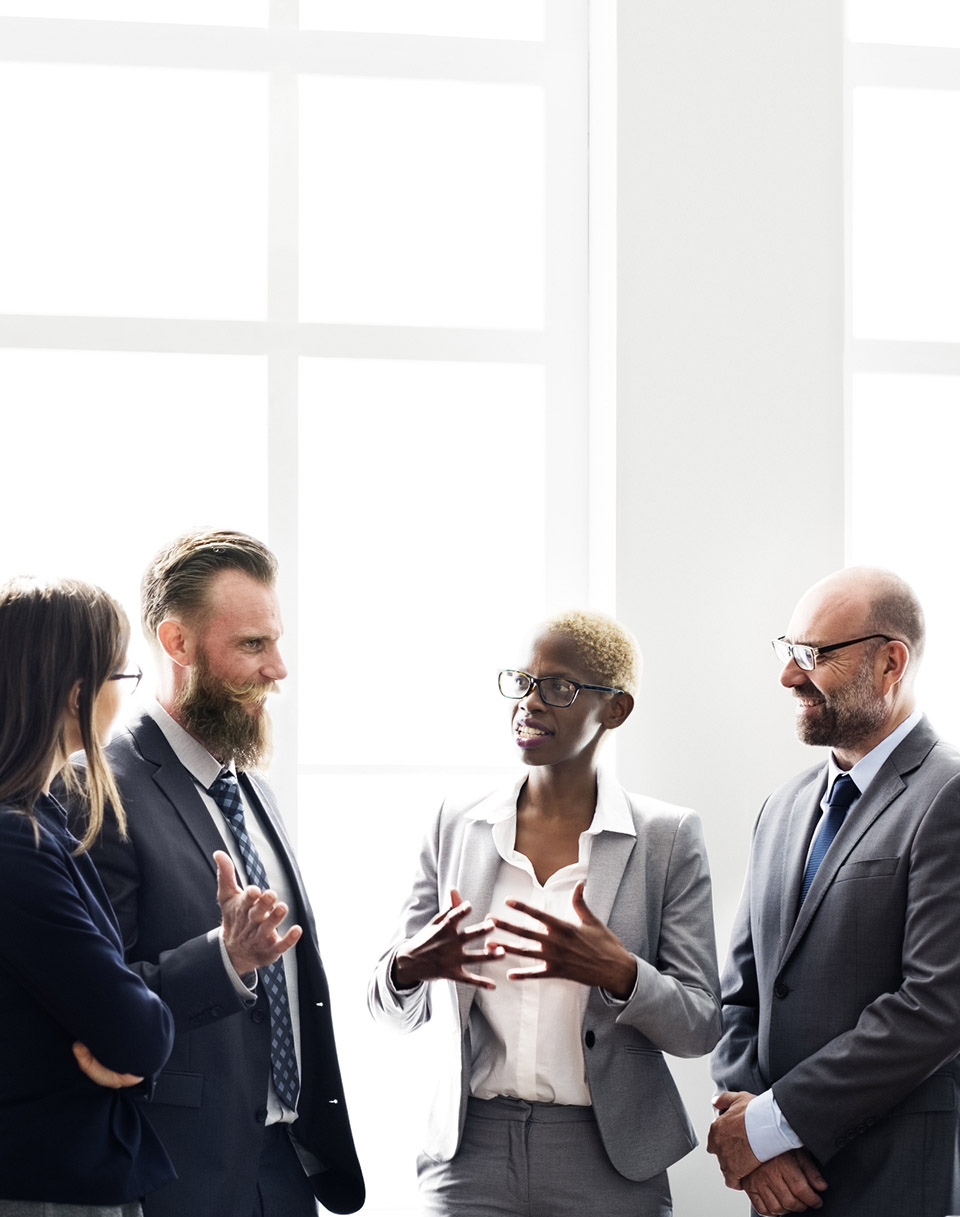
pixel 47 1208
pixel 520 1159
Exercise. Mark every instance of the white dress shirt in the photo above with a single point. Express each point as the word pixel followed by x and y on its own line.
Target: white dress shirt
pixel 767 1129
pixel 205 769
pixel 526 1034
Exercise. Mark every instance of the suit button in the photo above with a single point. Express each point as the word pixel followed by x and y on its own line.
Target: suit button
pixel 780 989
pixel 257 1016
pixel 260 1115
pixel 589 1039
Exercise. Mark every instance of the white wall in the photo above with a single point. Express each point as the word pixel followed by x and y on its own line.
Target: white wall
pixel 730 407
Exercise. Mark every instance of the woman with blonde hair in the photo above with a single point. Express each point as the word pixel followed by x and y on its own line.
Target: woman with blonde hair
pixel 78 1030
pixel 594 955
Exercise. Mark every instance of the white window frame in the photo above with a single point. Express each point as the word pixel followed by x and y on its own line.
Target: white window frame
pixel 882 65
pixel 285 53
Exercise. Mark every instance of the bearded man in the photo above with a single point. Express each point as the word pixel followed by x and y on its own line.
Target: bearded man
pixel 250 1106
pixel 841 998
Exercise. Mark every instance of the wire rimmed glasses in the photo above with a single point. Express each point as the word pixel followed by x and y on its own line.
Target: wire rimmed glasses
pixel 136 677
pixel 805 656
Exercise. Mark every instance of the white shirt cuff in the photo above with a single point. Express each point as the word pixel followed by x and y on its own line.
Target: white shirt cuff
pixel 767 1128
pixel 240 985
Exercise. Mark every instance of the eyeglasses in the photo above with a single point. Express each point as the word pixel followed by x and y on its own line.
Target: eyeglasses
pixel 553 690
pixel 136 677
pixel 806 656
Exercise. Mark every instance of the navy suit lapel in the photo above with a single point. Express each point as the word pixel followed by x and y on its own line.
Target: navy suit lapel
pixel 178 787
pixel 260 796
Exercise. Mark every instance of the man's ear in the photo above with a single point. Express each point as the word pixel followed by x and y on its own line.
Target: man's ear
pixel 177 641
pixel 895 658
pixel 619 709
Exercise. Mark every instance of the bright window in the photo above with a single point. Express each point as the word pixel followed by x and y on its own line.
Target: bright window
pixel 903 333
pixel 326 283
pixel 440 221
pixel 141 192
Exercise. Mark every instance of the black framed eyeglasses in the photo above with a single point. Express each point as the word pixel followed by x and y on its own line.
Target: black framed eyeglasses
pixel 805 656
pixel 136 677
pixel 553 690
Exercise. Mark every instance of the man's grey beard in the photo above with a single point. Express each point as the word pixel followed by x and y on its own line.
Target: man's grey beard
pixel 848 717
pixel 215 713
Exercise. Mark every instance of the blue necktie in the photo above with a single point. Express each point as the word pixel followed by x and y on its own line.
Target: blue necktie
pixel 283 1058
pixel 838 804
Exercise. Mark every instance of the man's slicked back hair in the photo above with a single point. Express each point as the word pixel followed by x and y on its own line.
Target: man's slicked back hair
pixel 177 580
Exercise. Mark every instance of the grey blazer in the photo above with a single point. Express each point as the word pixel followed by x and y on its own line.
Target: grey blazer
pixel 851 1009
pixel 653 891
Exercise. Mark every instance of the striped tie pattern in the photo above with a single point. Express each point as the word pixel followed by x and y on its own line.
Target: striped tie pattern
pixel 838 804
pixel 283 1059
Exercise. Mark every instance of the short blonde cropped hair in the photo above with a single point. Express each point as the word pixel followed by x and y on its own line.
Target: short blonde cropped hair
pixel 609 651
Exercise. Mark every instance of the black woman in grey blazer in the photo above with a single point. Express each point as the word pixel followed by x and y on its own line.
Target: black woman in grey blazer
pixel 563 928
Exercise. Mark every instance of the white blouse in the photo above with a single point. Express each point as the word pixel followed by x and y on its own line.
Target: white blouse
pixel 526 1034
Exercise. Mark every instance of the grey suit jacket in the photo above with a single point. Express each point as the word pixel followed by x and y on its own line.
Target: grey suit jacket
pixel 653 891
pixel 209 1104
pixel 851 1009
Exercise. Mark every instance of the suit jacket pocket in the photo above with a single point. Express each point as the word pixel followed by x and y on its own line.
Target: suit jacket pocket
pixel 868 868
pixel 179 1089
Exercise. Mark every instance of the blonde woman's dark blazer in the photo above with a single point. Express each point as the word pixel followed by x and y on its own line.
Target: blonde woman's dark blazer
pixel 653 890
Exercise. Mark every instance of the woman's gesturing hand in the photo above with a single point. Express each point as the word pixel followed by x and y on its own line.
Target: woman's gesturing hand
pixel 585 951
pixel 439 950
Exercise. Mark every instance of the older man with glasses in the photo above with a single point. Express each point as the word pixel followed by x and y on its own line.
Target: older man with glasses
pixel 841 998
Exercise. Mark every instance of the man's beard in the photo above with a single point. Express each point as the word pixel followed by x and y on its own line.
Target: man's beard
pixel 846 717
pixel 216 713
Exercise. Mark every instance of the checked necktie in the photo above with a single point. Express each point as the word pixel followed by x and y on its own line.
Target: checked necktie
pixel 283 1059
pixel 838 804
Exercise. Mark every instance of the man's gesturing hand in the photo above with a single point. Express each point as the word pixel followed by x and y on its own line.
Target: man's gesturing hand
pixel 250 920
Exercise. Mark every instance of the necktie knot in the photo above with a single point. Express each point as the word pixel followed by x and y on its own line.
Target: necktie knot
pixel 226 794
pixel 843 793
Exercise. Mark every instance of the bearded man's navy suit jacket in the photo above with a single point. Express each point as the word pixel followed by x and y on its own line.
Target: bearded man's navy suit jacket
pixel 209 1104
pixel 850 1009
